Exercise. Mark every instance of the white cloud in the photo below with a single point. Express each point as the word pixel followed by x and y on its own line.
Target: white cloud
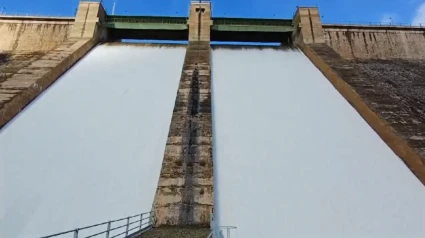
pixel 420 16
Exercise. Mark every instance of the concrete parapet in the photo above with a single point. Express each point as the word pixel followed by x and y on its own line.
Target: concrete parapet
pixel 200 21
pixel 376 42
pixel 33 34
pixel 308 23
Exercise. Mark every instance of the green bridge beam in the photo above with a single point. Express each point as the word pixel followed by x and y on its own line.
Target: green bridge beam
pixel 145 26
pixel 252 25
pixel 253 28
pixel 147 19
pixel 251 21
pixel 180 23
pixel 146 23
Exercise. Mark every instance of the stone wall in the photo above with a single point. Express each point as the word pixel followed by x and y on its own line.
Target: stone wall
pixel 376 42
pixel 33 34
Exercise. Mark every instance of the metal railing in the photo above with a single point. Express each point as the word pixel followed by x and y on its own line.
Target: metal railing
pixel 370 23
pixel 121 230
pixel 26 14
pixel 252 22
pixel 155 20
pixel 217 231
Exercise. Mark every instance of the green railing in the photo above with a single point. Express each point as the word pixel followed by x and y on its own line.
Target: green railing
pixel 146 19
pixel 252 21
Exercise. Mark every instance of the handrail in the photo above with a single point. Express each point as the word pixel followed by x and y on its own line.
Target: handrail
pixel 217 231
pixel 228 229
pixel 371 23
pixel 165 20
pixel 141 226
pixel 26 14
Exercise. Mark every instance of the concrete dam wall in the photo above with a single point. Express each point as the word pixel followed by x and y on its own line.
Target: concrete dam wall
pixel 33 34
pixel 376 42
pixel 252 120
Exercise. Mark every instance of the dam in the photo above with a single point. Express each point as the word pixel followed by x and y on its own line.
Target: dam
pixel 311 138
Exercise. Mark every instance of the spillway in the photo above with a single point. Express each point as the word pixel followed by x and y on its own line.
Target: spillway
pixel 292 158
pixel 90 148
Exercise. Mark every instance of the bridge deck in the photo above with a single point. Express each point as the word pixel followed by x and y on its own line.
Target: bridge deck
pixel 176 28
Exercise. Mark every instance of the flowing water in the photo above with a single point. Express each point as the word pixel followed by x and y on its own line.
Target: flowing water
pixel 90 148
pixel 292 158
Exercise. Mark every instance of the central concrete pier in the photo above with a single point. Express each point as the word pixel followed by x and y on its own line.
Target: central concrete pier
pixel 185 190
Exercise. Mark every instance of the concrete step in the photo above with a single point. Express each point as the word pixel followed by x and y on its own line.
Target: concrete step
pixel 177 232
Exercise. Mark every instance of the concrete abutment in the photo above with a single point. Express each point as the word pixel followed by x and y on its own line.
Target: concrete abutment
pixel 19 87
pixel 331 49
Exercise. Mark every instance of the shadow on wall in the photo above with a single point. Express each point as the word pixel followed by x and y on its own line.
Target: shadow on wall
pixel 4 58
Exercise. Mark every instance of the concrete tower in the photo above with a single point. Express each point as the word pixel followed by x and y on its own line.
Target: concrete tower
pixel 200 21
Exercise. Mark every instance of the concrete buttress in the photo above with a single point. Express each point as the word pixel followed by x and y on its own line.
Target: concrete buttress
pixel 185 190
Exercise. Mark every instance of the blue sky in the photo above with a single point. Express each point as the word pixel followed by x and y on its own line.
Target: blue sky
pixel 337 11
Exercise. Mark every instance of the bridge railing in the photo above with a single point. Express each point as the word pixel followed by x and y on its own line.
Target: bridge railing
pixel 124 227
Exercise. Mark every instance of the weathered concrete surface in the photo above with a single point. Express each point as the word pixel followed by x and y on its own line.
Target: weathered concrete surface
pixel 28 71
pixel 20 87
pixel 33 34
pixel 309 26
pixel 88 19
pixel 185 189
pixel 12 62
pixel 200 21
pixel 387 94
pixel 177 232
pixel 368 42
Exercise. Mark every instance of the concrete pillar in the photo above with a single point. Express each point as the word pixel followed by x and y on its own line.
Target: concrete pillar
pixel 308 22
pixel 88 19
pixel 200 21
